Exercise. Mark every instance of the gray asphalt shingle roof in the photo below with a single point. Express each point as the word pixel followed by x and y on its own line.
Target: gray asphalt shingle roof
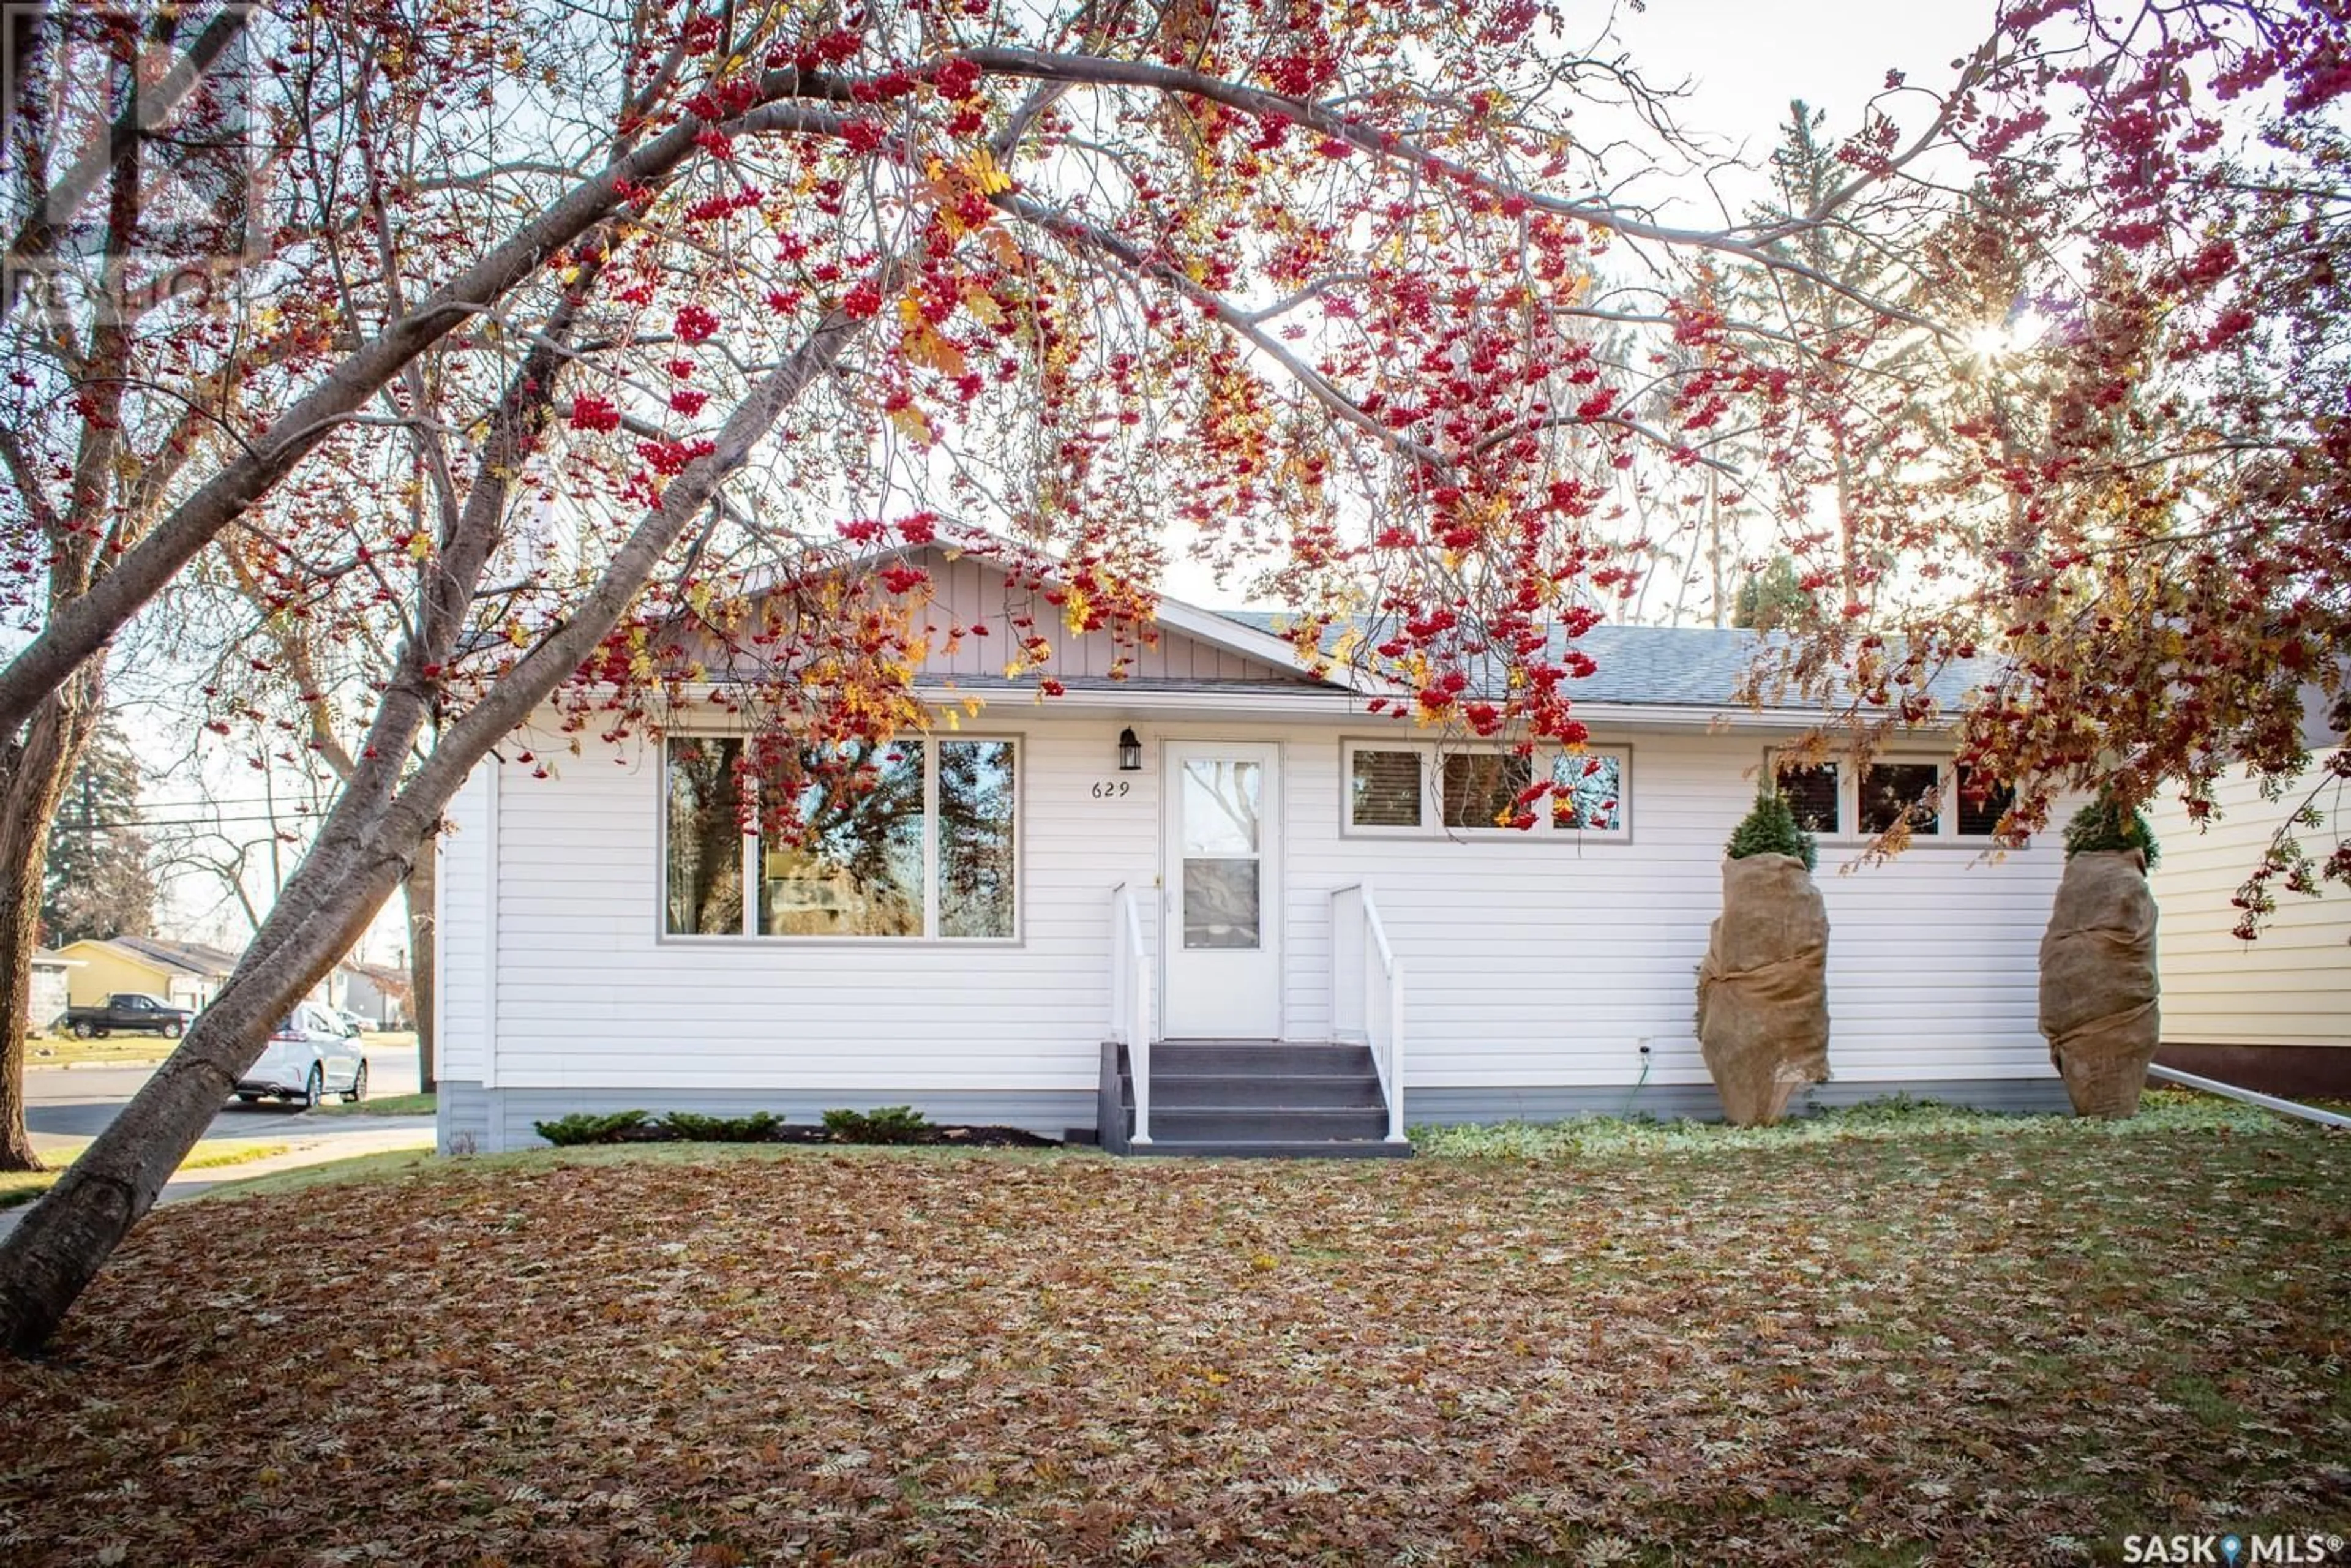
pixel 1672 666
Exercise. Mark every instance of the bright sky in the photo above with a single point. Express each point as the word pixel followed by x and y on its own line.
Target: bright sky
pixel 1744 62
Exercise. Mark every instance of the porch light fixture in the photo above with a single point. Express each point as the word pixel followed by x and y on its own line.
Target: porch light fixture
pixel 1130 751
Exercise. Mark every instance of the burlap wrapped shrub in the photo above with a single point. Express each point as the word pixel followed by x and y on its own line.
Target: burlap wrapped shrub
pixel 1762 991
pixel 2097 980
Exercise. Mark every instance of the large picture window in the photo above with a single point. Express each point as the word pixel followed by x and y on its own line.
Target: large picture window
pixel 926 845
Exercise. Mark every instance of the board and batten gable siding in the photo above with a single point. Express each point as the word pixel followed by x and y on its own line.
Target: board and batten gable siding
pixel 969 591
pixel 2290 987
pixel 1535 968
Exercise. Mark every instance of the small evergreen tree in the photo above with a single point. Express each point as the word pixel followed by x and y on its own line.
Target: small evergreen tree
pixel 97 882
pixel 1770 828
pixel 1766 598
pixel 2105 824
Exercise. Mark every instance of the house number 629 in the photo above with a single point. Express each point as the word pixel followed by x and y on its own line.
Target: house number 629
pixel 1111 789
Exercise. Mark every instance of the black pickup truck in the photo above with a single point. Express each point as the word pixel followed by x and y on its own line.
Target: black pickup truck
pixel 130 1011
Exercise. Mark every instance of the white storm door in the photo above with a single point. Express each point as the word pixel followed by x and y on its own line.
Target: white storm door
pixel 1223 878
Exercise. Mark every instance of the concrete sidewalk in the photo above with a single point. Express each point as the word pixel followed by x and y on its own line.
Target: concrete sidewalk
pixel 379 1134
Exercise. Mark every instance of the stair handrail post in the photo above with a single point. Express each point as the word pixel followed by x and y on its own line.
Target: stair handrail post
pixel 1350 961
pixel 1395 1052
pixel 1120 1013
pixel 1385 985
pixel 1136 992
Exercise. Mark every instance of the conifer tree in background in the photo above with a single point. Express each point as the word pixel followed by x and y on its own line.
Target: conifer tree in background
pixel 99 881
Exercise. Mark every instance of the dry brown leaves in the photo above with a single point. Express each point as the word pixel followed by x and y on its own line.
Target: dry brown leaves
pixel 1961 1350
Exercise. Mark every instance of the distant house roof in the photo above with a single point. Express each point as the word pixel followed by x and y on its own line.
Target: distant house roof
pixel 188 958
pixel 44 959
pixel 1673 666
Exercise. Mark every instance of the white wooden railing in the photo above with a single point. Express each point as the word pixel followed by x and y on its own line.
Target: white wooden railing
pixel 1367 991
pixel 1130 1000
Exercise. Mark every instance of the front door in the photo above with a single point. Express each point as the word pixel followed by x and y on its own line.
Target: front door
pixel 1223 892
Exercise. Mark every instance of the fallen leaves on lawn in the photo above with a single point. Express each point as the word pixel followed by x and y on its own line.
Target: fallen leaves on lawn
pixel 1968 1349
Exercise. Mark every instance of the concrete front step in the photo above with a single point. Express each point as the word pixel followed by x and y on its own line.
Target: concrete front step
pixel 1288 1126
pixel 1262 1092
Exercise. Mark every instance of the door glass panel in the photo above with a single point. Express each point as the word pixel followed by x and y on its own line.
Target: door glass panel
pixel 1220 807
pixel 1220 904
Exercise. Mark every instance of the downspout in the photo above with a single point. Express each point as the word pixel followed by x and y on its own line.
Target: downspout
pixel 2251 1097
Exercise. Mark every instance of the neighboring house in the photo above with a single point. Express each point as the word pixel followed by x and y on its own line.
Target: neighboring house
pixel 377 994
pixel 2273 1013
pixel 185 973
pixel 52 990
pixel 1015 890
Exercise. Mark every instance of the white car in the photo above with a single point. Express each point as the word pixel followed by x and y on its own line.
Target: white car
pixel 308 1058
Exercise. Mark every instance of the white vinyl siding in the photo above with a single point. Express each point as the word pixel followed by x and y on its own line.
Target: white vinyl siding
pixel 2291 985
pixel 1525 970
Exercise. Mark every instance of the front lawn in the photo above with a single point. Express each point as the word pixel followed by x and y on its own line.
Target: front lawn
pixel 24 1187
pixel 114 1051
pixel 1967 1343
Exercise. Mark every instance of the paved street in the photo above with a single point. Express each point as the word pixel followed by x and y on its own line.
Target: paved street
pixel 79 1101
pixel 67 1104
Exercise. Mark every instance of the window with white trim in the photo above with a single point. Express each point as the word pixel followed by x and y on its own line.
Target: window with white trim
pixel 1410 788
pixel 1832 799
pixel 912 837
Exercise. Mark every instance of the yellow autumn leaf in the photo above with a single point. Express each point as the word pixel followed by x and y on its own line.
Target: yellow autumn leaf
pixel 981 306
pixel 911 423
pixel 981 167
pixel 933 352
pixel 420 547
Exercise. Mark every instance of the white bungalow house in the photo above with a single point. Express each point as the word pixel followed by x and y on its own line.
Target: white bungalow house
pixel 1051 907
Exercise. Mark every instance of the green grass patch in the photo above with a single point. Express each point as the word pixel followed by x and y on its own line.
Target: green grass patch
pixel 18 1187
pixel 1899 1119
pixel 114 1051
pixel 388 1105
